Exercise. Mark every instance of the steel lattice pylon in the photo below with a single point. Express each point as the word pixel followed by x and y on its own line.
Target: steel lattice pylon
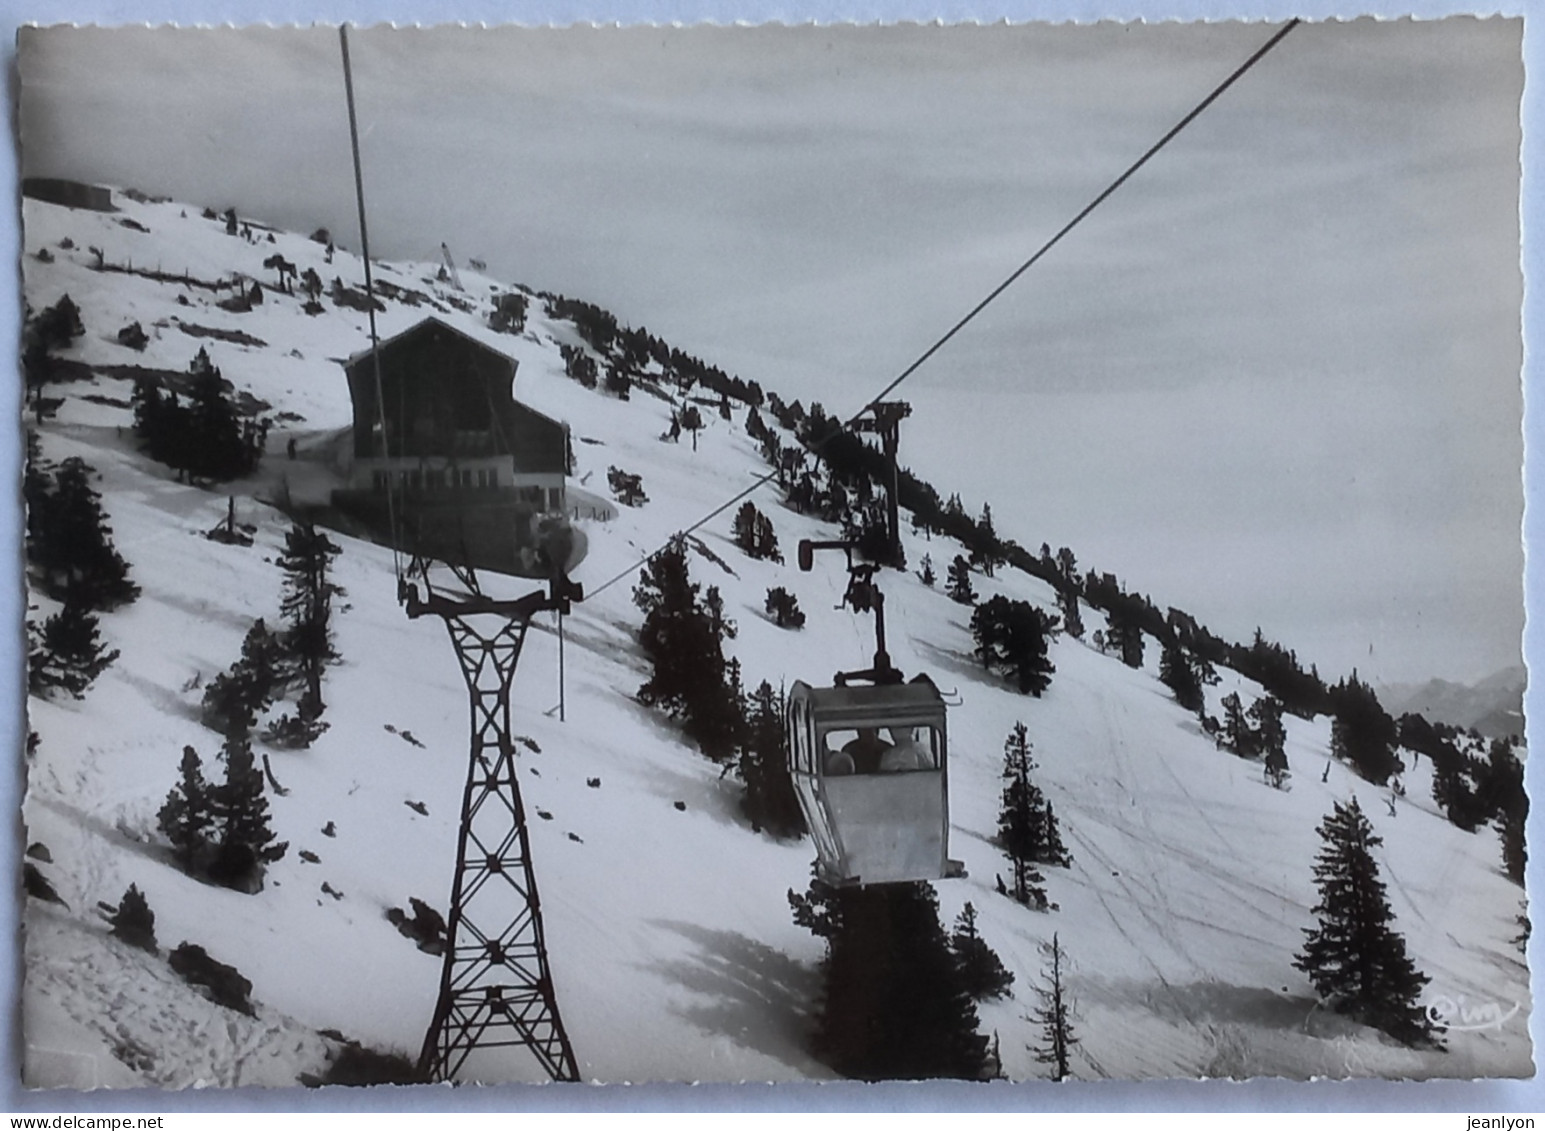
pixel 496 989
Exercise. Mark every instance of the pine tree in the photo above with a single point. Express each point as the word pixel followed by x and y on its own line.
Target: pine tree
pixel 188 814
pixel 1354 957
pixel 691 420
pixel 1178 674
pixel 216 447
pixel 1514 855
pixel 683 639
pixel 1013 635
pixel 133 921
pixel 957 586
pixel 240 811
pixel 674 636
pixel 1055 1013
pixel 307 606
pixel 1072 619
pixel 70 654
pixel 1125 634
pixel 235 698
pixel 1452 791
pixel 784 608
pixel 716 718
pixel 1237 732
pixel 894 1003
pixel 1067 566
pixel 72 543
pixel 926 574
pixel 753 532
pixel 299 730
pixel 1503 796
pixel 157 421
pixel 37 486
pixel 1053 851
pixel 769 802
pixel 986 550
pixel 1270 737
pixel 620 386
pixel 984 973
pixel 1022 820
pixel 1362 733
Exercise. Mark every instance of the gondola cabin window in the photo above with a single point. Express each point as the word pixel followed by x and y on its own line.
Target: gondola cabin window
pixel 880 750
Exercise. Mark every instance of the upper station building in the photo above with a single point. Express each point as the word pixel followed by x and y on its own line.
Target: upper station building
pixel 449 421
pixel 470 470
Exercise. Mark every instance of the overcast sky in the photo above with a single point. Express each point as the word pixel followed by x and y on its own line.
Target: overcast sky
pixel 1274 380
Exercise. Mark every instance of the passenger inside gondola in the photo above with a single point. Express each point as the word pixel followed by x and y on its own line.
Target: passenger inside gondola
pixel 867 750
pixel 838 763
pixel 904 753
pixel 864 751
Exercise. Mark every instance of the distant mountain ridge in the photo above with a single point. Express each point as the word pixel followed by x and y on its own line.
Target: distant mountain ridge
pixel 1494 706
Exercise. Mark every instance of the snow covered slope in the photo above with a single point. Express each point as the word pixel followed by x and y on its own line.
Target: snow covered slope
pixel 671 942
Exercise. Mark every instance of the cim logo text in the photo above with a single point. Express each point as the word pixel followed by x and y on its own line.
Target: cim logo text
pixel 1457 1015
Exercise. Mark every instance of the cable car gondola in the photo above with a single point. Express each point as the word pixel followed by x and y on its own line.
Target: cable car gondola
pixel 869 759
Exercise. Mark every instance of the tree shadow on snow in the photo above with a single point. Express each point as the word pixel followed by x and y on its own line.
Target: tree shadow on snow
pixel 964 664
pixel 1211 1002
pixel 165 699
pixel 754 995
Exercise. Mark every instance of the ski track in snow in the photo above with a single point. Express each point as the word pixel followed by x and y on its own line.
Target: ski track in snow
pixel 669 932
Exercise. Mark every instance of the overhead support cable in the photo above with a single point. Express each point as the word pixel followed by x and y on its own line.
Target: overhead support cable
pixel 370 306
pixel 923 358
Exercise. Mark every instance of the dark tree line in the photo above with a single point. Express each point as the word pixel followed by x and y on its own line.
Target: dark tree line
pixel 1472 790
pixel 853 467
pixel 628 350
